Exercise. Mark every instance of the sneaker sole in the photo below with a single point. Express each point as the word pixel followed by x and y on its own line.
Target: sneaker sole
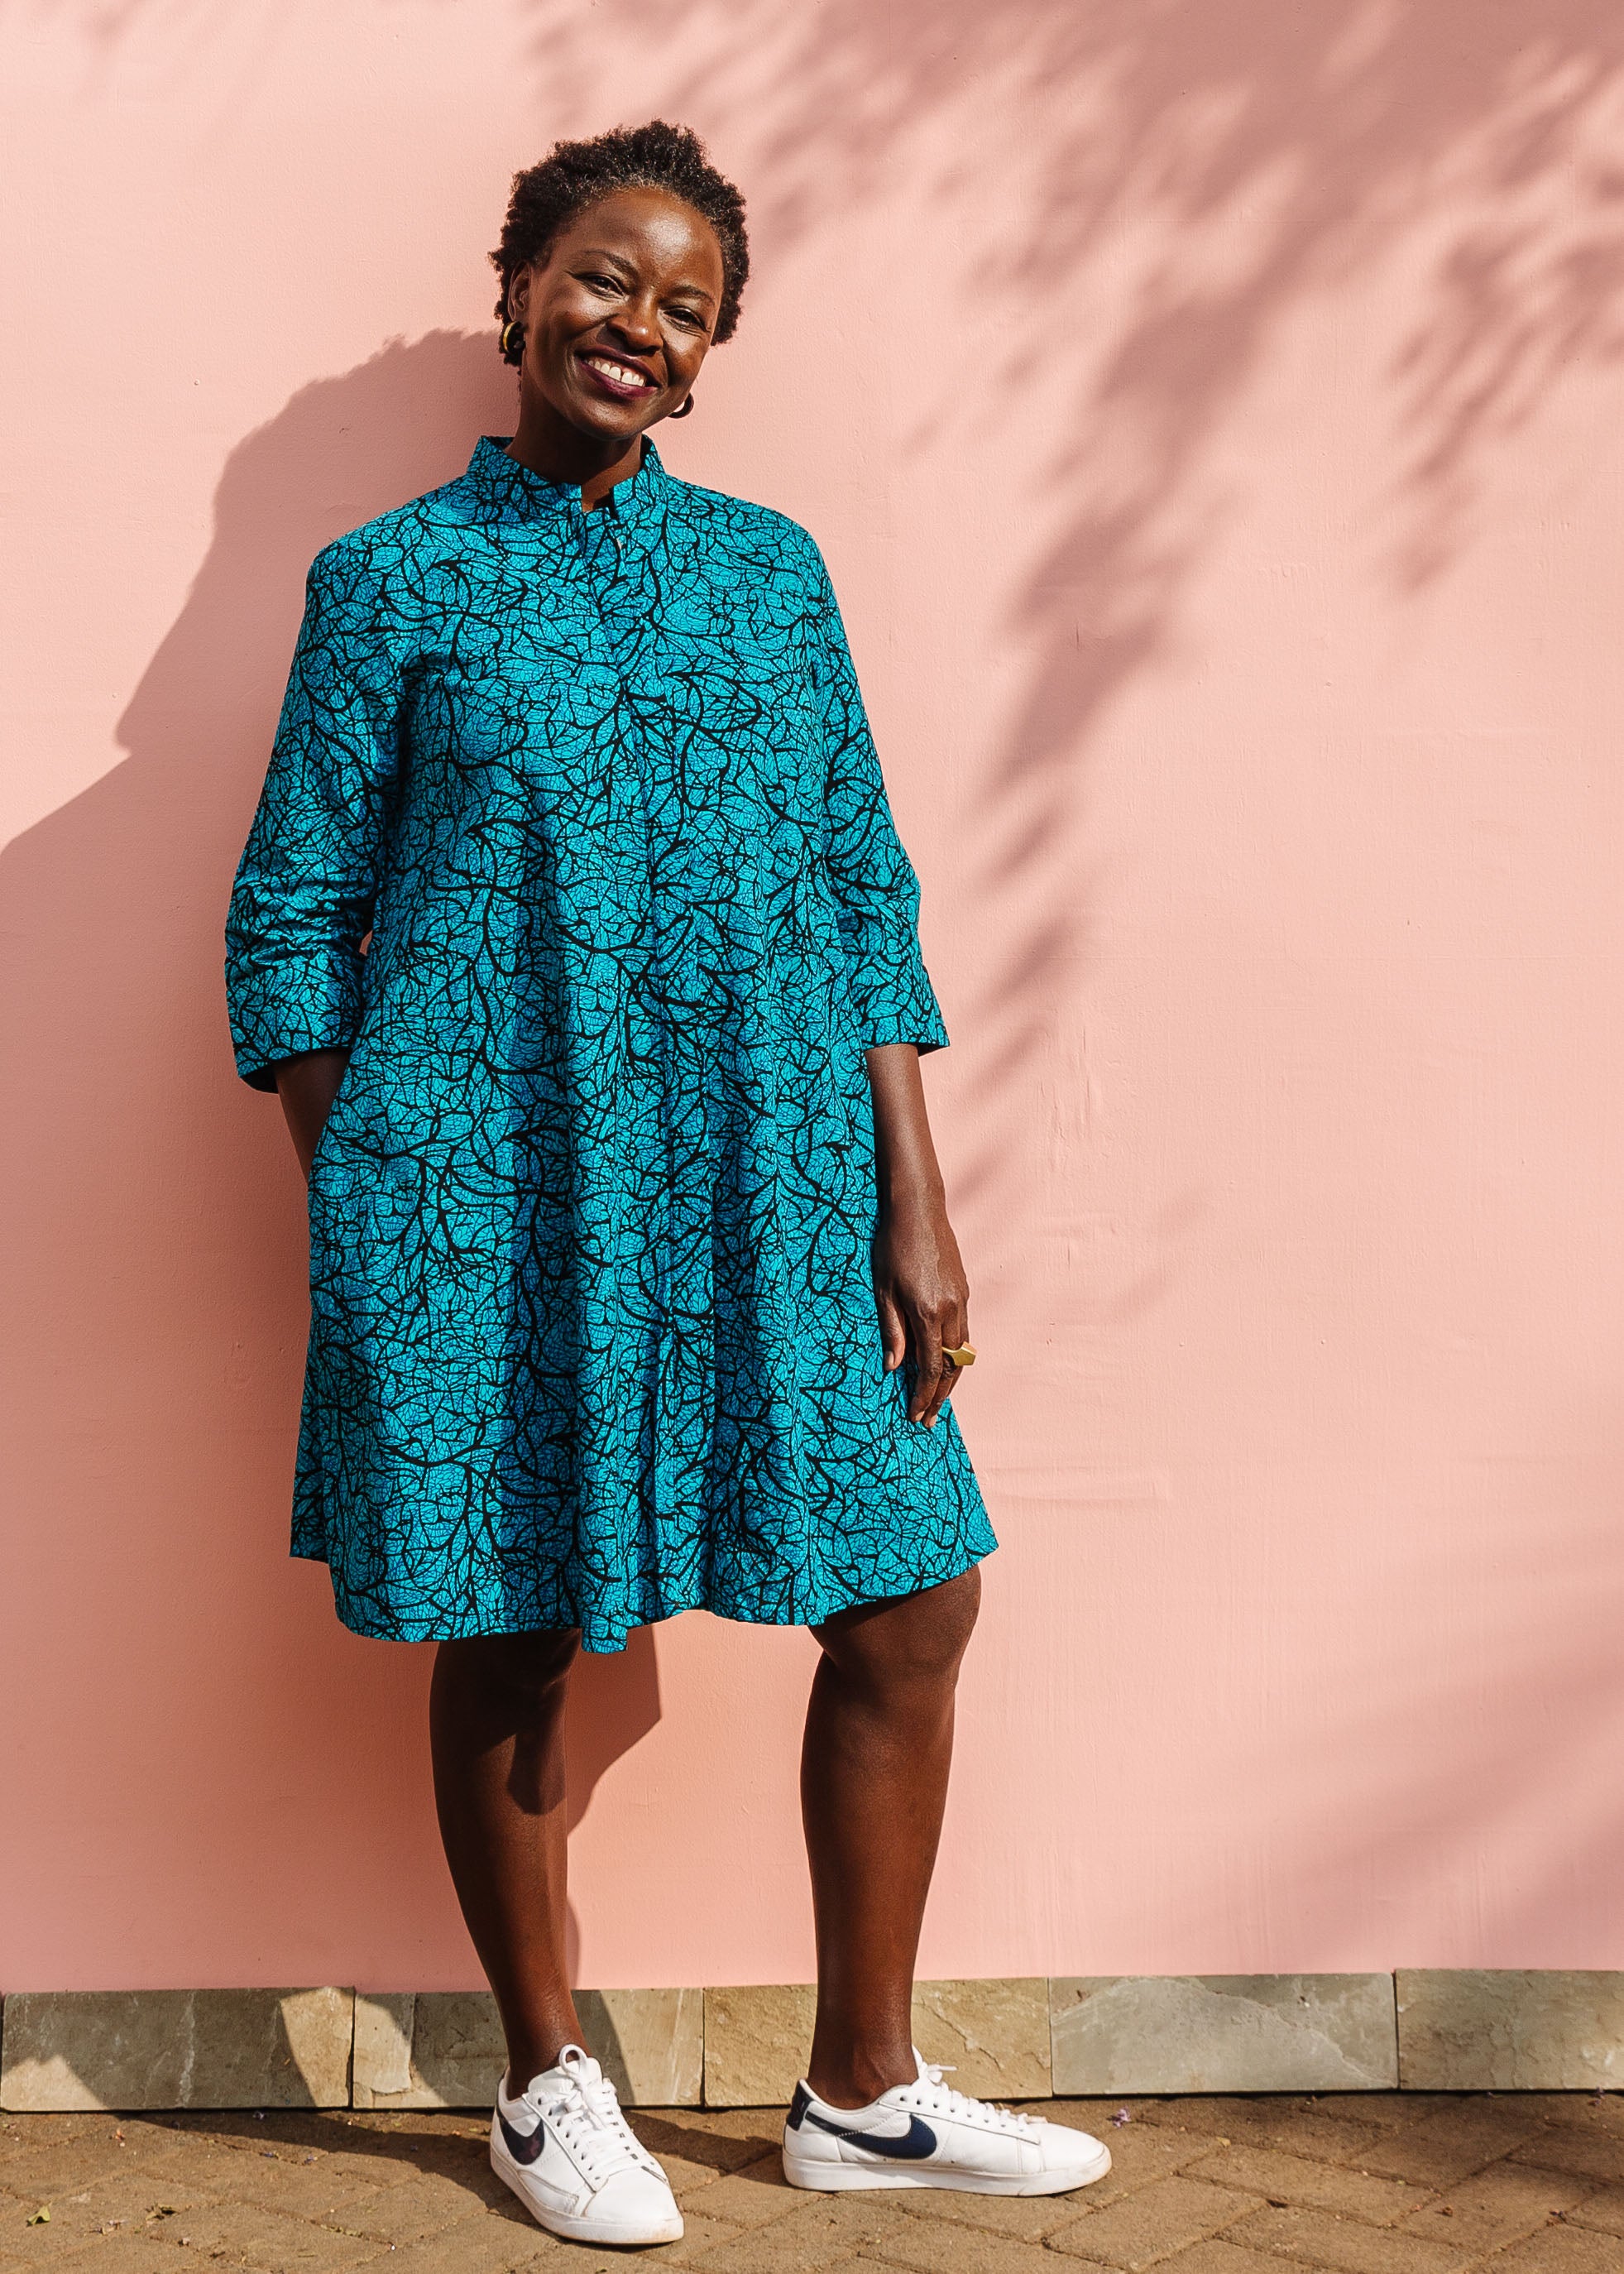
pixel 607 2230
pixel 836 2179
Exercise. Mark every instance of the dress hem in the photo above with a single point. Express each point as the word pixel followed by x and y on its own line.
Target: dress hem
pixel 595 1641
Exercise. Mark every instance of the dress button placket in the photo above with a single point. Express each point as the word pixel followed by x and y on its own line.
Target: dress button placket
pixel 592 544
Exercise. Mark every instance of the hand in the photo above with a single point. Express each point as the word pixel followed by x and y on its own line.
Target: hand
pixel 923 1296
pixel 307 1086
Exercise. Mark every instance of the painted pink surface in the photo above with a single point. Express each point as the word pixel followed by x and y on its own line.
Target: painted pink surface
pixel 1211 418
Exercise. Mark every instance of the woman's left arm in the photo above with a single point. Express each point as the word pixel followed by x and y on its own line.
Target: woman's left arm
pixel 918 1280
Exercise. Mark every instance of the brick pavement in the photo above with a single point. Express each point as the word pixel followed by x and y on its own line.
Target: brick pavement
pixel 1368 2183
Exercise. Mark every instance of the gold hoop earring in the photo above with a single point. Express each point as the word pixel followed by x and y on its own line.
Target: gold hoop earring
pixel 509 345
pixel 687 407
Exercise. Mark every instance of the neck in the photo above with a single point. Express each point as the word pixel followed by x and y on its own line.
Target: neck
pixel 561 453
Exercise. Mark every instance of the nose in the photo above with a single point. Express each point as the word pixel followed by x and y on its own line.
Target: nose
pixel 634 323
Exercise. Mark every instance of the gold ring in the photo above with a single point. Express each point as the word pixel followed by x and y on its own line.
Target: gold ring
pixel 961 1354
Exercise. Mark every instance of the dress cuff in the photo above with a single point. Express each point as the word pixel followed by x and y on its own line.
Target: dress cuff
pixel 289 1009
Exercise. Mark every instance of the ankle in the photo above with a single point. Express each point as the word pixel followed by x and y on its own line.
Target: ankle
pixel 857 2075
pixel 527 2062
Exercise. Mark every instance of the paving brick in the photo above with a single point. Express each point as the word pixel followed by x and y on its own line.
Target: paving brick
pixel 1152 2223
pixel 1141 2153
pixel 1219 2255
pixel 406 2214
pixel 1562 2249
pixel 48 2243
pixel 1594 2155
pixel 753 2196
pixel 820 2233
pixel 27 2134
pixel 697 2145
pixel 1095 2114
pixel 1603 2110
pixel 1028 2218
pixel 47 2169
pixel 253 2237
pixel 763 2124
pixel 123 2255
pixel 1443 2149
pixel 1603 2209
pixel 490 2244
pixel 314 2189
pixel 139 2202
pixel 1283 2179
pixel 1386 2109
pixel 936 2246
pixel 1496 2207
pixel 1298 2126
pixel 1320 2238
pixel 700 2234
pixel 239 2173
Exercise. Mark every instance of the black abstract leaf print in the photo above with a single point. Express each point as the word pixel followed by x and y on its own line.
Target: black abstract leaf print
pixel 593 1336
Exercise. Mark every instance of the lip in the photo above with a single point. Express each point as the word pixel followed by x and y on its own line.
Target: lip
pixel 616 389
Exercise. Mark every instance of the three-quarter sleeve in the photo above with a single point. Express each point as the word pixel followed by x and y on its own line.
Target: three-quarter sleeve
pixel 302 897
pixel 875 888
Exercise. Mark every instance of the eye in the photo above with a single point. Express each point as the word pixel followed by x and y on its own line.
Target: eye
pixel 687 318
pixel 604 283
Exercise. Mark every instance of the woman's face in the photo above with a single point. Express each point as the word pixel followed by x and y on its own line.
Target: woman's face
pixel 618 317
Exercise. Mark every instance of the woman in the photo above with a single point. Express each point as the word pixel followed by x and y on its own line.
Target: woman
pixel 632 1283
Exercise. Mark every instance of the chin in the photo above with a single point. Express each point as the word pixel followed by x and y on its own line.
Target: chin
pixel 610 421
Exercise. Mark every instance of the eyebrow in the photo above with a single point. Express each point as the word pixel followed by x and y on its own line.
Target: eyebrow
pixel 602 252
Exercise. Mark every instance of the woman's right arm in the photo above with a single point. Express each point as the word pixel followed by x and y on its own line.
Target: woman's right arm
pixel 307 1086
pixel 304 893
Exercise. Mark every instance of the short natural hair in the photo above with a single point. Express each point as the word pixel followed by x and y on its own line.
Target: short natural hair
pixel 575 175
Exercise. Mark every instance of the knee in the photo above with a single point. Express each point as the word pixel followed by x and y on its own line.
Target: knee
pixel 522 1677
pixel 917 1642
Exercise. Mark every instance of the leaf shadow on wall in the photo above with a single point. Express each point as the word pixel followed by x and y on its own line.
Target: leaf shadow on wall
pixel 1184 180
pixel 1172 188
pixel 212 1707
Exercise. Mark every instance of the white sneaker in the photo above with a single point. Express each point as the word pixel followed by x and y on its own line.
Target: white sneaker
pixel 925 2135
pixel 572 2159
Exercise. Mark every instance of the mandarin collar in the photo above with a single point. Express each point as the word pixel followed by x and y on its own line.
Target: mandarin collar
pixel 512 492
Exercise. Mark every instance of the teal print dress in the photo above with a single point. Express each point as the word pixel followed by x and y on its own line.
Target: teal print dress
pixel 593 1336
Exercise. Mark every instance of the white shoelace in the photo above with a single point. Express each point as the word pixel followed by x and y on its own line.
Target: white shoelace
pixel 585 2112
pixel 947 2100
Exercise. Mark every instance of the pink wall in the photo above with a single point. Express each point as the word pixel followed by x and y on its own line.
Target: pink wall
pixel 1210 415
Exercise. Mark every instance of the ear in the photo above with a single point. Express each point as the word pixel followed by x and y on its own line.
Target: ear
pixel 519 295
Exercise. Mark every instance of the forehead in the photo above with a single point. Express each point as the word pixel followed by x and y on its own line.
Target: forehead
pixel 652 229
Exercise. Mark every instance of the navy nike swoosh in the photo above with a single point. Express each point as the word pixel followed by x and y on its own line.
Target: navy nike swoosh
pixel 919 2139
pixel 525 2147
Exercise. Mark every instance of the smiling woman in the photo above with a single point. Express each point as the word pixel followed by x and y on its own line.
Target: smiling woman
pixel 632 1283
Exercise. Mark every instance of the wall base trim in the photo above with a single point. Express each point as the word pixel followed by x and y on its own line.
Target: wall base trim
pixel 743 2046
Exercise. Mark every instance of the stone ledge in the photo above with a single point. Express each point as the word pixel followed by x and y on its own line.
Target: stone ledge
pixel 176 2049
pixel 742 2046
pixel 1223 2033
pixel 443 2048
pixel 994 2034
pixel 1466 2030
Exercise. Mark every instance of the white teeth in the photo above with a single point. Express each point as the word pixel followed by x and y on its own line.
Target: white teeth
pixel 617 371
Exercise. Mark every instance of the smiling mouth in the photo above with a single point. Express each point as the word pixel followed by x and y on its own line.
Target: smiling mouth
pixel 623 380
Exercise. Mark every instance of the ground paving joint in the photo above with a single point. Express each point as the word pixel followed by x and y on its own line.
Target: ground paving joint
pixel 1339 2183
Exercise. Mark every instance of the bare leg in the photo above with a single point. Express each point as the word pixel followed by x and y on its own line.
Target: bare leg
pixel 496 1727
pixel 879 1741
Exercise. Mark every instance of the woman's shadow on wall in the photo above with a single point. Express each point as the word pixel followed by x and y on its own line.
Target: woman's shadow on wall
pixel 160 1242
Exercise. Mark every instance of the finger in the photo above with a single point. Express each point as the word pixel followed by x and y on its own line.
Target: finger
pixel 954 1332
pixel 893 1335
pixel 928 1371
